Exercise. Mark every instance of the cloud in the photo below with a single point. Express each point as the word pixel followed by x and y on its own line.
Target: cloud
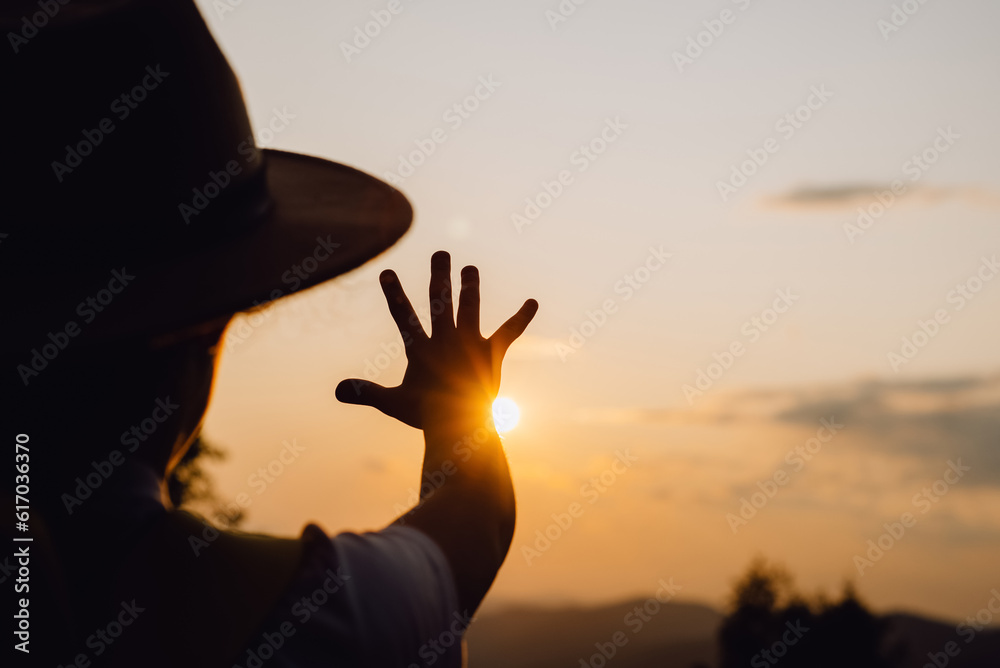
pixel 714 409
pixel 849 196
pixel 919 424
pixel 934 420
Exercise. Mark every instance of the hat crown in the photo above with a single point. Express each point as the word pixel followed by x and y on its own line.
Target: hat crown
pixel 133 135
pixel 133 154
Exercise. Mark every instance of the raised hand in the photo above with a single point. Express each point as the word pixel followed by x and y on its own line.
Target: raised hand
pixel 455 369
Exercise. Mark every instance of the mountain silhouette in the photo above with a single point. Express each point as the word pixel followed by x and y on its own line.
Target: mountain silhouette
pixel 680 635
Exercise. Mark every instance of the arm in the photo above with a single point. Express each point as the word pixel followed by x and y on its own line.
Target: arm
pixel 451 380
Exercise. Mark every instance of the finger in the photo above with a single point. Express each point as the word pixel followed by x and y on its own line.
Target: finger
pixel 362 393
pixel 514 327
pixel 400 308
pixel 442 309
pixel 468 301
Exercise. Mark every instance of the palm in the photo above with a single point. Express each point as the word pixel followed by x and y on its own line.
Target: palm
pixel 455 365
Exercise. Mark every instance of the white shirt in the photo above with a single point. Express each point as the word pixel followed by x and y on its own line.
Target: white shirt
pixel 385 598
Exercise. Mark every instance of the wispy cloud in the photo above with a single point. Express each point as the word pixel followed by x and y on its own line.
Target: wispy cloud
pixel 923 420
pixel 848 196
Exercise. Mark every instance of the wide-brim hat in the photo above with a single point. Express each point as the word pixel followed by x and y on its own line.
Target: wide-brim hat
pixel 138 202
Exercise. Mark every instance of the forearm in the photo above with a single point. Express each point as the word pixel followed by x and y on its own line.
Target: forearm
pixel 467 497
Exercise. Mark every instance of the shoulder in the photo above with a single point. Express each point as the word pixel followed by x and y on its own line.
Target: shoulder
pixel 376 598
pixel 203 592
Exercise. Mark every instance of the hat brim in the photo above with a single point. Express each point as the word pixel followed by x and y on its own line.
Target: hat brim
pixel 327 219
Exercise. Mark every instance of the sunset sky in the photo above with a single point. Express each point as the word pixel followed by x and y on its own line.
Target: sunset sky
pixel 635 235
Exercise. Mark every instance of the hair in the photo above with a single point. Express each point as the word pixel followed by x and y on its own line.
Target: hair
pixel 74 415
pixel 82 406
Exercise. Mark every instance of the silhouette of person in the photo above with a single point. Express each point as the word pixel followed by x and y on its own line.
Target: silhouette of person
pixel 146 217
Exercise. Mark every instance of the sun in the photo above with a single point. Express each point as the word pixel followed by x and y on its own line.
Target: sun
pixel 506 414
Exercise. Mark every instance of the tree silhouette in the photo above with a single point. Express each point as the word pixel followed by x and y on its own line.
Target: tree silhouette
pixel 769 623
pixel 190 484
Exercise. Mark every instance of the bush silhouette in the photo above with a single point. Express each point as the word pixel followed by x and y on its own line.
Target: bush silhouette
pixel 770 624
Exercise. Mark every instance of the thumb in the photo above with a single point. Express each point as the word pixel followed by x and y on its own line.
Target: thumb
pixel 362 392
